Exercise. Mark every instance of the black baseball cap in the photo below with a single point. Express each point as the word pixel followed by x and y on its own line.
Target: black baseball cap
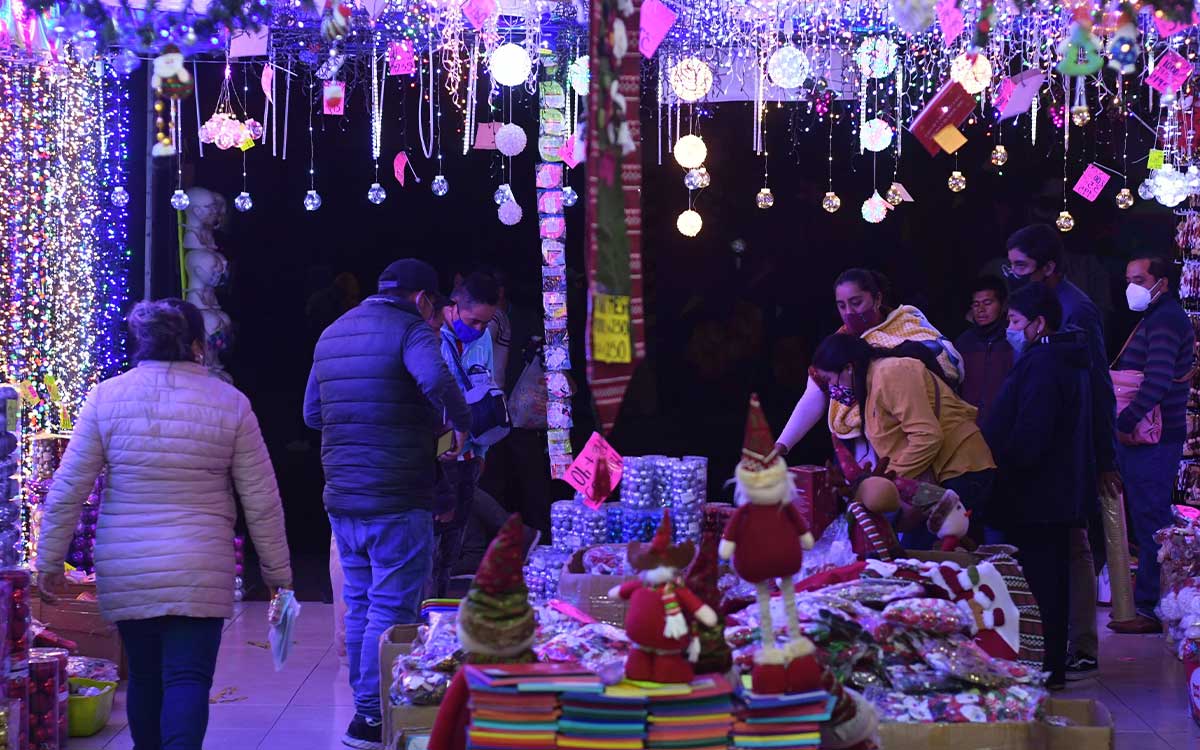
pixel 415 276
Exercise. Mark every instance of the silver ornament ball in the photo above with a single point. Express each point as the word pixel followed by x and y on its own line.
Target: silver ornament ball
pixel 503 194
pixel 180 200
pixel 119 197
pixel 440 186
pixel 376 194
pixel 312 201
pixel 570 197
pixel 243 202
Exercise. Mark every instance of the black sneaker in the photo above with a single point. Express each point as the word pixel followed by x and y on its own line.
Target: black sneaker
pixel 364 733
pixel 1056 683
pixel 1080 667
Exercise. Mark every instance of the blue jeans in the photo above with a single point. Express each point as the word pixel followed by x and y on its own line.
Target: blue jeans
pixel 1149 473
pixel 385 561
pixel 171 664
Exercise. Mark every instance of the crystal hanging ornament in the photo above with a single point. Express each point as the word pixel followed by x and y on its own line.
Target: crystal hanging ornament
pixel 312 201
pixel 957 182
pixel 376 194
pixel 243 202
pixel 1124 198
pixel 831 202
pixel 697 179
pixel 440 186
pixel 765 198
pixel 180 200
pixel 893 195
pixel 119 197
pixel 999 155
pixel 1146 190
pixel 1065 221
pixel 503 194
pixel 569 196
pixel 1080 115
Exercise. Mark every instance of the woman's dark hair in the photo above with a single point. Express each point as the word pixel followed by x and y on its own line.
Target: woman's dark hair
pixel 164 330
pixel 1038 300
pixel 842 349
pixel 872 282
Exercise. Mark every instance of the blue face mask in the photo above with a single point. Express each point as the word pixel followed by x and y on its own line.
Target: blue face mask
pixel 1016 339
pixel 465 333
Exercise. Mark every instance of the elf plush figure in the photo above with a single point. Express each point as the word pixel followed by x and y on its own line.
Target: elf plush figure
pixel 949 521
pixel 715 655
pixel 660 607
pixel 766 539
pixel 495 626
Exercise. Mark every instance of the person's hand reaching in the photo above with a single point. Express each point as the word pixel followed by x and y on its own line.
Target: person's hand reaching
pixel 51 586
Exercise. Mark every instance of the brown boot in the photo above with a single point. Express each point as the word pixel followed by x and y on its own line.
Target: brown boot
pixel 1140 625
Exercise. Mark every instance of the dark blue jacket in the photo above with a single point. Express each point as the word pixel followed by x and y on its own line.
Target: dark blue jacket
pixel 1042 434
pixel 1080 312
pixel 377 392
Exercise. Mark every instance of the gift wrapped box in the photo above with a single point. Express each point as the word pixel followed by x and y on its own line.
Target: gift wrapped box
pixel 815 500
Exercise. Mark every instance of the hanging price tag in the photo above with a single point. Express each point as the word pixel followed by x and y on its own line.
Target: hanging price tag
pixel 1155 160
pixel 1091 182
pixel 611 329
pixel 1171 70
pixel 596 471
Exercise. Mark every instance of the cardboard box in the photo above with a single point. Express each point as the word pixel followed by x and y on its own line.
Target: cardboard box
pixel 590 592
pixel 79 620
pixel 1092 730
pixel 398 720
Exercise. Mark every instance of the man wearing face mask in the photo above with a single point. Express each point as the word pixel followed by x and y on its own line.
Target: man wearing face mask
pixel 1162 349
pixel 467 350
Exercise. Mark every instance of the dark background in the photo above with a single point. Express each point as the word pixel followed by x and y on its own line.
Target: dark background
pixel 721 324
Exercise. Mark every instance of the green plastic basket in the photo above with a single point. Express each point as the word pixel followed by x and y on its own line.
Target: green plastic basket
pixel 88 714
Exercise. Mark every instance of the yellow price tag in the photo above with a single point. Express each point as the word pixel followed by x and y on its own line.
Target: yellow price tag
pixel 1155 160
pixel 612 341
pixel 52 388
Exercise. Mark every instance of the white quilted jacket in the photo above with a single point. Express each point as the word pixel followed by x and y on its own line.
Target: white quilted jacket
pixel 175 441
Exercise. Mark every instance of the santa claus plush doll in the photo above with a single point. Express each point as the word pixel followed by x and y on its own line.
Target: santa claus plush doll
pixel 495 626
pixel 658 621
pixel 766 539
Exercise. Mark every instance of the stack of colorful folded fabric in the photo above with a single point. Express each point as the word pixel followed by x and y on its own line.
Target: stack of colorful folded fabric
pixel 698 721
pixel 516 706
pixel 780 721
pixel 614 720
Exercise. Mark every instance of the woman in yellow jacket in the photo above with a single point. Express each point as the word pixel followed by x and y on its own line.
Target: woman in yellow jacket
pixel 910 415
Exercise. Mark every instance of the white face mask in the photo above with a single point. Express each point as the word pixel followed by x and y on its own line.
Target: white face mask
pixel 1138 297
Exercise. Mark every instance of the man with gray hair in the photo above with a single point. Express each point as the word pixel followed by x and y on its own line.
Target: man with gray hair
pixel 378 391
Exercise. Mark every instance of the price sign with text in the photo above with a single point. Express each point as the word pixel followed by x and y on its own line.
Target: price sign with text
pixel 596 471
pixel 611 330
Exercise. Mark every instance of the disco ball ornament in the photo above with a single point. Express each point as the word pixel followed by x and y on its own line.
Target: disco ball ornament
pixel 180 200
pixel 690 151
pixel 510 65
pixel 957 182
pixel 509 213
pixel 973 73
pixel 875 209
pixel 689 223
pixel 893 195
pixel 119 197
pixel 312 201
pixel 570 197
pixel 788 67
pixel 503 194
pixel 1146 190
pixel 876 135
pixel 765 198
pixel 691 79
pixel 376 194
pixel 510 139
pixel 876 56
pixel 440 186
pixel 1065 221
pixel 1080 115
pixel 1124 198
pixel 999 155
pixel 243 202
pixel 831 202
pixel 580 76
pixel 697 179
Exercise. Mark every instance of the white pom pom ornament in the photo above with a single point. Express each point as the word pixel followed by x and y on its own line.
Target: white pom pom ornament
pixel 509 212
pixel 510 139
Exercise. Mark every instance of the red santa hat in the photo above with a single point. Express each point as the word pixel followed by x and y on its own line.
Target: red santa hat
pixel 758 477
pixel 495 617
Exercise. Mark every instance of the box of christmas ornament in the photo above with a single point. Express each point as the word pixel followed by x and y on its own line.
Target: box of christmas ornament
pixel 1065 725
pixel 399 720
pixel 589 591
pixel 79 620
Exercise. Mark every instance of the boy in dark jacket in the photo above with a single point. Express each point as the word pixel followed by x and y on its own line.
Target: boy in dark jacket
pixel 987 355
pixel 1041 434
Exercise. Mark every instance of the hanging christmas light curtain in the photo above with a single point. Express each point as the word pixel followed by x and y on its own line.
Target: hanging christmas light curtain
pixel 616 325
pixel 63 279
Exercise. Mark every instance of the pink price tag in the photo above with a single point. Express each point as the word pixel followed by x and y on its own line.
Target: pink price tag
pixel 570 610
pixel 485 136
pixel 1171 70
pixel 1166 27
pixel 399 165
pixel 402 59
pixel 1091 182
pixel 1016 94
pixel 950 19
pixel 582 473
pixel 567 152
pixel 478 12
pixel 335 97
pixel 656 20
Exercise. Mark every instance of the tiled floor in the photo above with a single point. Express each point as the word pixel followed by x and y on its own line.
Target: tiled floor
pixel 308 705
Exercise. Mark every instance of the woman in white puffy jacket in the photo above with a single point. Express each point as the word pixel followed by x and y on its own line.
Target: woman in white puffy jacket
pixel 176 442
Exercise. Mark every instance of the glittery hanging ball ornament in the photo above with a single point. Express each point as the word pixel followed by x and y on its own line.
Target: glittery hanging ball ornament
pixel 690 151
pixel 831 202
pixel 570 197
pixel 697 179
pixel 440 185
pixel 510 139
pixel 376 194
pixel 1065 221
pixel 957 182
pixel 875 209
pixel 1124 198
pixel 765 198
pixel 689 223
pixel 1080 115
pixel 893 195
pixel 509 213
pixel 180 200
pixel 119 197
pixel 999 155
pixel 503 194
pixel 243 202
pixel 312 201
pixel 1146 190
